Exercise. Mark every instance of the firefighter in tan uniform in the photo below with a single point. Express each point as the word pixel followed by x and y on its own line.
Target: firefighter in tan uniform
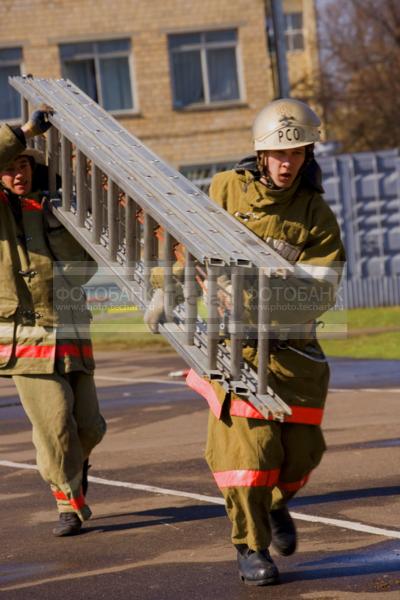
pixel 44 327
pixel 259 464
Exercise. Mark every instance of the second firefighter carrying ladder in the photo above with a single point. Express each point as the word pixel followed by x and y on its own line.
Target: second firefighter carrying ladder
pixel 108 178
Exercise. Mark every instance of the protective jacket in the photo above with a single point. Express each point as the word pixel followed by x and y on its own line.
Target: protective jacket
pixel 300 226
pixel 44 320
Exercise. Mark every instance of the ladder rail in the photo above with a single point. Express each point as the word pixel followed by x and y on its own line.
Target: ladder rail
pixel 152 165
pixel 239 245
pixel 197 241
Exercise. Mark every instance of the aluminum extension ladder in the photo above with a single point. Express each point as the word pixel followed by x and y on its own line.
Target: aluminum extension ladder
pixel 87 147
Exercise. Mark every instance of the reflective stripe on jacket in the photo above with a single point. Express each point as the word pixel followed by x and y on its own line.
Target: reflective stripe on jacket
pixel 215 396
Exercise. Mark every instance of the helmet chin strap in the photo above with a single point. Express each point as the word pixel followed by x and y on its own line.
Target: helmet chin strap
pixel 262 164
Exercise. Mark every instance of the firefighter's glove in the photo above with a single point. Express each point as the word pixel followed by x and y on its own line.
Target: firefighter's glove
pixel 39 121
pixel 155 311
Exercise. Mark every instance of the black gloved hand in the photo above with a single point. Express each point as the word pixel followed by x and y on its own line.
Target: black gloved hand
pixel 39 122
pixel 40 118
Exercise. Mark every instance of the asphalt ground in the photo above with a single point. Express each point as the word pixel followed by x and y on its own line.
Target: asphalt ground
pixel 159 530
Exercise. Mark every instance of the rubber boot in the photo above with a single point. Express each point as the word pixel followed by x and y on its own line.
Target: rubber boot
pixel 69 524
pixel 284 537
pixel 256 568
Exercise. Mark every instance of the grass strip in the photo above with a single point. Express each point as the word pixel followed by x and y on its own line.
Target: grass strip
pixel 371 333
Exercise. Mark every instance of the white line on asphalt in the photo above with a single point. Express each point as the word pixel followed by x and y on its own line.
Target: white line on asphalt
pixel 156 490
pixel 347 525
pixel 389 390
pixel 183 383
pixel 353 525
pixel 166 382
pixel 9 463
pixel 142 380
pixel 376 390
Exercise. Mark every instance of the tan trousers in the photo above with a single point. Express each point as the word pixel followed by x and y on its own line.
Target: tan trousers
pixel 66 426
pixel 259 465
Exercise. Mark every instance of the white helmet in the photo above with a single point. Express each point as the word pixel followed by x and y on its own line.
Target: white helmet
pixel 285 123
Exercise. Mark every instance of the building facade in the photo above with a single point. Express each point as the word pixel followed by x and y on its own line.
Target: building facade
pixel 185 76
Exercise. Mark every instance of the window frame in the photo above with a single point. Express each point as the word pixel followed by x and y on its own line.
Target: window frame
pixel 202 47
pixel 291 32
pixel 193 171
pixel 11 63
pixel 96 55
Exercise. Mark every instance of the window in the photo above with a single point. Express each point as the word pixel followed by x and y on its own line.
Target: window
pixel 204 67
pixel 10 65
pixel 294 31
pixel 294 38
pixel 201 175
pixel 101 70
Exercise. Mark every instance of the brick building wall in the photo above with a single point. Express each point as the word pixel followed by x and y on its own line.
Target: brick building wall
pixel 304 66
pixel 190 136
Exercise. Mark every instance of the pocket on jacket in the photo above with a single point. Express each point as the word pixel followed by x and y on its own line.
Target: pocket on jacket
pixel 288 364
pixel 299 378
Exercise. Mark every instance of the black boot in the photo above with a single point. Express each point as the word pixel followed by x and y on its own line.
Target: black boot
pixel 69 524
pixel 85 482
pixel 284 537
pixel 256 568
